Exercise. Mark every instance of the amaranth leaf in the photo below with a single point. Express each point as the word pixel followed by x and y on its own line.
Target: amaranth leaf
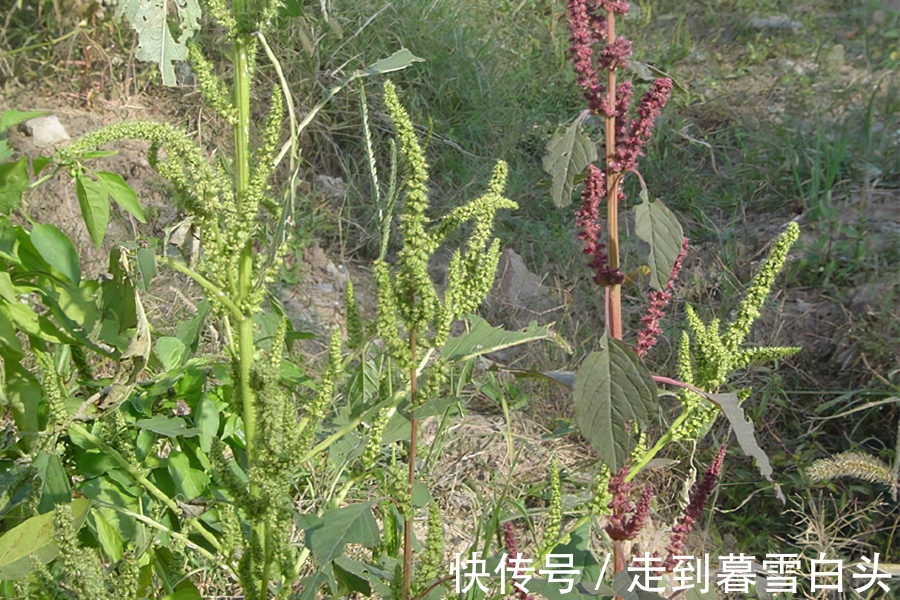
pixel 568 154
pixel 743 429
pixel 612 388
pixel 656 225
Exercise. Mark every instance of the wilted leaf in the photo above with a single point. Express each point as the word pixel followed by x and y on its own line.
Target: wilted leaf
pixel 612 387
pixel 743 430
pixel 156 43
pixel 33 539
pixel 658 226
pixel 568 154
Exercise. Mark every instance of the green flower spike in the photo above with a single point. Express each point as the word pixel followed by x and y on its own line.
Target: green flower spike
pixel 717 355
pixel 409 300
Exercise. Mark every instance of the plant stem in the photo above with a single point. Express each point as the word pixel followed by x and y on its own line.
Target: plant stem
pixel 411 479
pixel 209 287
pixel 140 478
pixel 614 316
pixel 618 559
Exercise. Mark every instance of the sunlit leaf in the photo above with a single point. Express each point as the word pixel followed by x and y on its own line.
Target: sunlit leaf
pixel 13 182
pixel 167 426
pixel 93 198
pixel 33 540
pixel 188 481
pixel 122 193
pixel 483 338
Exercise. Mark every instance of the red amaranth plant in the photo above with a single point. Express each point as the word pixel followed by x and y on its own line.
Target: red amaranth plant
pixel 625 138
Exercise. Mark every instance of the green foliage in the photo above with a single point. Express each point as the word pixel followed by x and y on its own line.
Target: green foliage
pixel 612 390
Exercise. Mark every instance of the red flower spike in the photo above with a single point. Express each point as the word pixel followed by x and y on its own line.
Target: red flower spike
pixel 694 509
pixel 626 520
pixel 512 547
pixel 659 300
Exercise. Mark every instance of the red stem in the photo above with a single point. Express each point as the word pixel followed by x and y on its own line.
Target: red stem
pixel 614 316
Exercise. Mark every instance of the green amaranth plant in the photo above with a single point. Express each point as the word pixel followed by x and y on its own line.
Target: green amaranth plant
pixel 412 319
pixel 615 393
pixel 259 459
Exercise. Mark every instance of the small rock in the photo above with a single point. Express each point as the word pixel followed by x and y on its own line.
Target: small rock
pixel 325 288
pixel 776 22
pixel 46 131
pixel 317 258
pixel 518 292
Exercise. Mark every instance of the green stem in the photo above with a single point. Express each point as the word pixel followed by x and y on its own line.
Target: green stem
pixel 248 397
pixel 411 477
pixel 665 439
pixel 242 128
pixel 208 286
pixel 142 480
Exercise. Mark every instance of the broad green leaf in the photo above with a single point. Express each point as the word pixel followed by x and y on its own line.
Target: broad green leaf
pixel 23 395
pixel 483 338
pixel 188 481
pixel 398 60
pixel 310 585
pixel 189 331
pixel 58 250
pixel 94 201
pixel 352 573
pixel 352 524
pixel 170 351
pixel 20 483
pixel 33 539
pixel 14 117
pixel 10 347
pixel 743 430
pixel 147 264
pixel 109 538
pixel 122 193
pixel 38 164
pixel 167 426
pixel 187 593
pixel 78 304
pixel 658 226
pixel 13 182
pixel 207 422
pixel 568 154
pixel 56 484
pixel 612 387
pixel 156 40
